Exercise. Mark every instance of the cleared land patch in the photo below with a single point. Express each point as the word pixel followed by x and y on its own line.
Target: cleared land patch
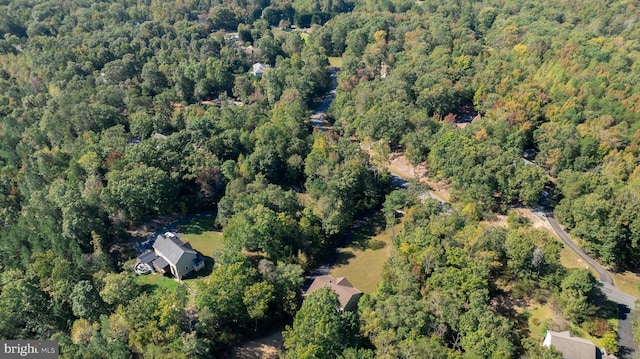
pixel 363 260
pixel 335 61
pixel 155 281
pixel 202 235
pixel 205 239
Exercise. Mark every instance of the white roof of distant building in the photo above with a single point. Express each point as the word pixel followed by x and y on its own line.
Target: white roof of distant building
pixel 258 68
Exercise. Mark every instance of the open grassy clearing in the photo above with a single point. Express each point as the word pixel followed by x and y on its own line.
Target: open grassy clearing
pixel 627 282
pixel 362 262
pixel 569 259
pixel 335 61
pixel 205 239
pixel 155 281
pixel 540 316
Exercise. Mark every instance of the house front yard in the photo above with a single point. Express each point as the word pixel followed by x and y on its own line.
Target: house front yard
pixel 155 281
pixel 206 242
pixel 205 239
pixel 363 260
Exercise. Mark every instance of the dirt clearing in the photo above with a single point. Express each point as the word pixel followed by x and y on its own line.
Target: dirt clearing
pixel 267 347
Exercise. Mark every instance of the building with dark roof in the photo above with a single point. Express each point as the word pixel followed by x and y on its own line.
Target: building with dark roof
pixel 171 255
pixel 347 294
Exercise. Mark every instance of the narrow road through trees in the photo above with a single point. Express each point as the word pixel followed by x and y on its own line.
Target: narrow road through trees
pixel 628 347
pixel 318 118
pixel 605 278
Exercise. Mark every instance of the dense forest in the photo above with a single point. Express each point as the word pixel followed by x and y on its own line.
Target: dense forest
pixel 558 79
pixel 116 113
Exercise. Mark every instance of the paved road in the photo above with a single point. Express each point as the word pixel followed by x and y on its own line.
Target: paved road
pixel 628 347
pixel 318 119
pixel 626 302
pixel 605 278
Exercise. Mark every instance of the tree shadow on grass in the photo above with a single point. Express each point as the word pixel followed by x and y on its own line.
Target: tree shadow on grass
pixel 376 244
pixel 204 272
pixel 361 238
pixel 198 226
pixel 156 282
pixel 612 310
pixel 343 258
pixel 147 288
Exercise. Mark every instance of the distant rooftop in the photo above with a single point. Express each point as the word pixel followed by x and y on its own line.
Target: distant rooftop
pixel 347 294
pixel 259 68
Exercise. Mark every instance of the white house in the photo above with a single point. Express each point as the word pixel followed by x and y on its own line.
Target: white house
pixel 258 69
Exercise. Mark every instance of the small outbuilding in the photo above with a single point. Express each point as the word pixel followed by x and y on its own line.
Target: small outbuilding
pixel 258 69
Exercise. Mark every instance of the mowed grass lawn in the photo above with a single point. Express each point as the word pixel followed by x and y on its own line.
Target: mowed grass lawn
pixel 363 260
pixel 539 318
pixel 155 281
pixel 335 61
pixel 627 282
pixel 202 235
pixel 569 259
pixel 205 239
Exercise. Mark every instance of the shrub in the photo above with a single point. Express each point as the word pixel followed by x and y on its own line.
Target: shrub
pixel 610 342
pixel 597 327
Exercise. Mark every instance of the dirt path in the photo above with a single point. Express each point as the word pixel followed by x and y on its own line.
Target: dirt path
pixel 400 166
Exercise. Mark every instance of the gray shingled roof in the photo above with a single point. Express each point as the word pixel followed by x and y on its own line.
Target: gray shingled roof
pixel 159 263
pixel 573 347
pixel 172 248
pixel 147 257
